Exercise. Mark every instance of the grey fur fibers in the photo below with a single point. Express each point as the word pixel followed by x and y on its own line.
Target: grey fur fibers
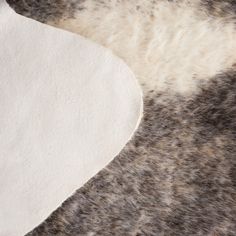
pixel 46 10
pixel 219 8
pixel 177 176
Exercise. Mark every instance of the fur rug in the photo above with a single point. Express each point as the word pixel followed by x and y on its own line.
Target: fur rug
pixel 177 176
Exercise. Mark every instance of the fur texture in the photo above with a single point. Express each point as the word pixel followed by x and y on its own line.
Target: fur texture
pixel 177 176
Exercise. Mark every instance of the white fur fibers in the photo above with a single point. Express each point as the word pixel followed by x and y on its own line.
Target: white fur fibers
pixel 172 47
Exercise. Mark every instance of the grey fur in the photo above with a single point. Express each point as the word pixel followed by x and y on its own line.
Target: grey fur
pixel 219 8
pixel 44 11
pixel 177 176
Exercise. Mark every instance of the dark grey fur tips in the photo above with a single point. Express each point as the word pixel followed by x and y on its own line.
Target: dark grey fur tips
pixel 176 177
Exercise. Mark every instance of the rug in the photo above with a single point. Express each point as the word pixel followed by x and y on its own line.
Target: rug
pixel 177 176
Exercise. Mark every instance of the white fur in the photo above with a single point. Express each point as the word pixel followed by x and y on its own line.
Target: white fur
pixel 173 47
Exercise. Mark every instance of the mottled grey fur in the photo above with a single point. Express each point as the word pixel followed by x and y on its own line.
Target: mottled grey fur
pixel 219 8
pixel 176 177
pixel 46 10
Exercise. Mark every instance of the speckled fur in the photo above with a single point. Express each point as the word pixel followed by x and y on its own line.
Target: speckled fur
pixel 46 10
pixel 177 176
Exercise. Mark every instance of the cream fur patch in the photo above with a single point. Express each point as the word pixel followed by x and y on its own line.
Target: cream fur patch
pixel 173 43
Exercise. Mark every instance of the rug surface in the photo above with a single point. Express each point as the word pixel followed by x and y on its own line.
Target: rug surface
pixel 177 176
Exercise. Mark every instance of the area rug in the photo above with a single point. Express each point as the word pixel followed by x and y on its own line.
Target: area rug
pixel 177 176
